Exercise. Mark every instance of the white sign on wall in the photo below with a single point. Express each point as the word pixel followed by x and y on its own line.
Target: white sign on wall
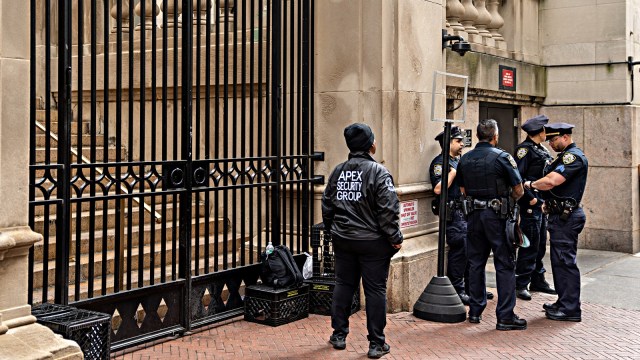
pixel 408 213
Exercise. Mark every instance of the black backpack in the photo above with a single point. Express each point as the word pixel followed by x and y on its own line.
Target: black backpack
pixel 279 269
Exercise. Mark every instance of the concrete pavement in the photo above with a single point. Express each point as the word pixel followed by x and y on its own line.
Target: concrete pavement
pixel 609 330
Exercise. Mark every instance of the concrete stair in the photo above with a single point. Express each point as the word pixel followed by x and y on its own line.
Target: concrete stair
pixel 93 232
pixel 146 276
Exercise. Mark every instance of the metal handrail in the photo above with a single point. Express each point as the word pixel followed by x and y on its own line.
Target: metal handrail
pixel 147 207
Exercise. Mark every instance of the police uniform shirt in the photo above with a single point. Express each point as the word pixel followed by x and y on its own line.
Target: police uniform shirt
pixel 435 173
pixel 572 164
pixel 531 159
pixel 505 167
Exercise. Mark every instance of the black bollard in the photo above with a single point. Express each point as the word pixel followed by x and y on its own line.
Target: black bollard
pixel 439 301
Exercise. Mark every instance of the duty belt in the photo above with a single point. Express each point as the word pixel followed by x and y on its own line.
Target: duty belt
pixel 488 204
pixel 499 206
pixel 564 208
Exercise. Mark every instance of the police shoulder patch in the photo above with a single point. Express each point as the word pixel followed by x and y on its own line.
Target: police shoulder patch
pixel 522 152
pixel 568 158
pixel 437 169
pixel 512 162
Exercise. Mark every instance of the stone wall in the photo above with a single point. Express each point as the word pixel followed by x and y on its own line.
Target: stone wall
pixel 608 135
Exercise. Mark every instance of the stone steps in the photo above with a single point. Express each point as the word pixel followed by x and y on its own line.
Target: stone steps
pixel 147 254
pixel 41 139
pixel 41 153
pixel 39 247
pixel 97 281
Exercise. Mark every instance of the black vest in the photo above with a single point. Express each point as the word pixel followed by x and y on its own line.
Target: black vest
pixel 481 180
pixel 538 160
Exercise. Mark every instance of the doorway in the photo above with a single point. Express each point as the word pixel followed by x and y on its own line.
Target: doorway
pixel 507 117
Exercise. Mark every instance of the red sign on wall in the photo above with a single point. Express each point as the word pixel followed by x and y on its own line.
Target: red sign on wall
pixel 507 79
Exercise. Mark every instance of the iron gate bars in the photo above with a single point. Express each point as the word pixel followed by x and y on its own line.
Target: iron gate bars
pixel 171 142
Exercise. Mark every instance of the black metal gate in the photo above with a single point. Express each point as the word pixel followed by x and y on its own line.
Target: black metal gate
pixel 170 142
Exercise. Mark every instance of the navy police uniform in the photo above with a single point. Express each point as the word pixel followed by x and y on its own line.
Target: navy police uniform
pixel 361 209
pixel 456 233
pixel 487 173
pixel 532 158
pixel 566 221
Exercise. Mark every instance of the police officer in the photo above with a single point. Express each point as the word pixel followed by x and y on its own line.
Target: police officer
pixel 531 158
pixel 362 211
pixel 489 177
pixel 456 224
pixel 565 180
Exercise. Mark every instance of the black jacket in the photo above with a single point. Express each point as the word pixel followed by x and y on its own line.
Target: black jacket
pixel 360 201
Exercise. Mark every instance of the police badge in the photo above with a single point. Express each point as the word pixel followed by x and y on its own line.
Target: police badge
pixel 522 152
pixel 437 170
pixel 568 158
pixel 512 162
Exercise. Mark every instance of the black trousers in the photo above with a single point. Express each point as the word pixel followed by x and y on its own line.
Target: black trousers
pixel 527 262
pixel 486 232
pixel 538 273
pixel 564 249
pixel 457 269
pixel 369 260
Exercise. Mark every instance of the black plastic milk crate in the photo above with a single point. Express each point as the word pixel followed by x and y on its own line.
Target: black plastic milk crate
pixel 321 294
pixel 265 305
pixel 322 252
pixel 90 329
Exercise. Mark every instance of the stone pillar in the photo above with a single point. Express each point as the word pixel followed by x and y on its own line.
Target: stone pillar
pixel 483 20
pixel 455 11
pixel 496 23
pixel 151 10
pixel 20 336
pixel 169 7
pixel 381 73
pixel 469 17
pixel 125 17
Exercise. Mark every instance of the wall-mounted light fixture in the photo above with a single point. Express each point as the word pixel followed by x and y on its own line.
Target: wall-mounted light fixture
pixel 461 46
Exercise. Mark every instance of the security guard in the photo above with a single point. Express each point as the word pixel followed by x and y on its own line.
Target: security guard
pixel 361 209
pixel 565 181
pixel 489 177
pixel 531 158
pixel 456 223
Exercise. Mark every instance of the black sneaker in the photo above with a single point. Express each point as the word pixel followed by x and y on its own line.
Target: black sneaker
pixel 339 342
pixel 376 351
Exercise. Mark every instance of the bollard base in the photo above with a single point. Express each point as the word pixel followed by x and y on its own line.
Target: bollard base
pixel 439 302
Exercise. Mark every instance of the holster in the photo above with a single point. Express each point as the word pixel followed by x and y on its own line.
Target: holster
pixel 466 205
pixel 451 207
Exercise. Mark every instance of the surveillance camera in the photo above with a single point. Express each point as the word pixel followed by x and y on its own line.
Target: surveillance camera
pixel 461 47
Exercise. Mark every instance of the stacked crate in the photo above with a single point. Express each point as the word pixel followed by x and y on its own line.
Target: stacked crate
pixel 323 282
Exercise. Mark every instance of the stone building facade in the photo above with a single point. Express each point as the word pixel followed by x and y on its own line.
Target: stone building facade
pixel 571 60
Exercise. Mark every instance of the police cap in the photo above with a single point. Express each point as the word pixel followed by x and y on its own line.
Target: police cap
pixel 359 137
pixel 456 133
pixel 535 125
pixel 557 129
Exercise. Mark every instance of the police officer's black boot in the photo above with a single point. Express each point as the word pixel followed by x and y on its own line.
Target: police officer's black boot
pixel 523 294
pixel 511 324
pixel 539 284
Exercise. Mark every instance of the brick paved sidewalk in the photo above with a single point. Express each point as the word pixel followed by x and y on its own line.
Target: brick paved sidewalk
pixel 604 333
